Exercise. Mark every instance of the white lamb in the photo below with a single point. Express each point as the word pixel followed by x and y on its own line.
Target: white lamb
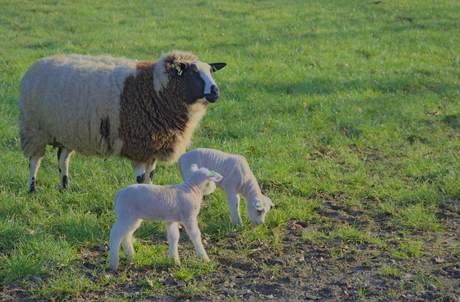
pixel 237 179
pixel 171 204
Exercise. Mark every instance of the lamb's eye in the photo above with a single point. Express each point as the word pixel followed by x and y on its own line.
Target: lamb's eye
pixel 259 212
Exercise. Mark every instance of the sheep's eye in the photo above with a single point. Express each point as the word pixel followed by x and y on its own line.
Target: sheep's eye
pixel 259 212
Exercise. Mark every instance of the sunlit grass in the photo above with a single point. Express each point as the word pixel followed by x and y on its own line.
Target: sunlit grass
pixel 327 100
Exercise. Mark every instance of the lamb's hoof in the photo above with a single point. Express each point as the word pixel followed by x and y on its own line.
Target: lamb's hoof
pixel 113 268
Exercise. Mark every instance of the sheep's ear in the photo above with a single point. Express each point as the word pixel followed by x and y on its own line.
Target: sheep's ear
pixel 217 66
pixel 180 68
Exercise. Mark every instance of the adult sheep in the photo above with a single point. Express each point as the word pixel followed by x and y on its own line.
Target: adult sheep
pixel 103 106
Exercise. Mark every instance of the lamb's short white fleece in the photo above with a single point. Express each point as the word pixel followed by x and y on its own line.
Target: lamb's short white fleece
pixel 172 204
pixel 237 179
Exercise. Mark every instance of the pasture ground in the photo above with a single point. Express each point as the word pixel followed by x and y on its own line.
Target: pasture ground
pixel 348 113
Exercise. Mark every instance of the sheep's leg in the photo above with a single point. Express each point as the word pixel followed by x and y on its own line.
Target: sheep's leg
pixel 150 171
pixel 139 171
pixel 191 226
pixel 34 164
pixel 233 202
pixel 172 229
pixel 63 164
pixel 143 172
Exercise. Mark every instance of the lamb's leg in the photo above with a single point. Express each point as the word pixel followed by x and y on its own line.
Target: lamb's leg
pixel 172 229
pixel 191 226
pixel 150 171
pixel 233 202
pixel 127 241
pixel 63 164
pixel 122 233
pixel 116 235
pixel 34 164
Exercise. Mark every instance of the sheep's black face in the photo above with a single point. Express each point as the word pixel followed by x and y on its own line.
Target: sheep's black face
pixel 198 79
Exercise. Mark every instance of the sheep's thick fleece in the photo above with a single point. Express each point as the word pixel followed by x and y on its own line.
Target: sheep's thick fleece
pixel 93 105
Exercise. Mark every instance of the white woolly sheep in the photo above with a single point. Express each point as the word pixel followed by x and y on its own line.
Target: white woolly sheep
pixel 172 204
pixel 237 179
pixel 142 110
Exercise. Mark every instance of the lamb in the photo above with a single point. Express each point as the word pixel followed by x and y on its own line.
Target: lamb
pixel 172 204
pixel 237 179
pixel 102 106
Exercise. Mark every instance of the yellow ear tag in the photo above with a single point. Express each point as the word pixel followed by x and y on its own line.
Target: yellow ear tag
pixel 212 173
pixel 259 204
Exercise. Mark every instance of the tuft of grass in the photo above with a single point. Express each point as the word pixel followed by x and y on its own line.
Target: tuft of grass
pixel 63 285
pixel 390 271
pixel 349 234
pixel 419 217
pixel 189 290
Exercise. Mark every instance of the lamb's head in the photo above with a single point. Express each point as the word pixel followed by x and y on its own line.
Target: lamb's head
pixel 258 208
pixel 205 178
pixel 194 77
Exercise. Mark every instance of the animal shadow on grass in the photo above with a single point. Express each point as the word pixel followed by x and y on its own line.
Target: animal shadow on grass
pixel 452 121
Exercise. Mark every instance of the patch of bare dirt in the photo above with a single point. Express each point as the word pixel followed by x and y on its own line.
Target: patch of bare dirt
pixel 298 270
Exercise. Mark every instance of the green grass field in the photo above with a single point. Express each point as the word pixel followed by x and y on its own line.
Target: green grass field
pixel 351 101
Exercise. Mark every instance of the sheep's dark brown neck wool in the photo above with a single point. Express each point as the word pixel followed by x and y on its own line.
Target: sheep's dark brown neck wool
pixel 149 122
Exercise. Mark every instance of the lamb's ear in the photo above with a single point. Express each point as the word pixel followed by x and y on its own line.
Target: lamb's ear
pixel 193 168
pixel 259 205
pixel 270 202
pixel 214 176
pixel 217 66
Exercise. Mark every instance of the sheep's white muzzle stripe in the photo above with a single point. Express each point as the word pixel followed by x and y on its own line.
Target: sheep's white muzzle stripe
pixel 205 73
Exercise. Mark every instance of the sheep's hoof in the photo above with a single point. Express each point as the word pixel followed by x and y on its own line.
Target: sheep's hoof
pixel 31 188
pixel 62 190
